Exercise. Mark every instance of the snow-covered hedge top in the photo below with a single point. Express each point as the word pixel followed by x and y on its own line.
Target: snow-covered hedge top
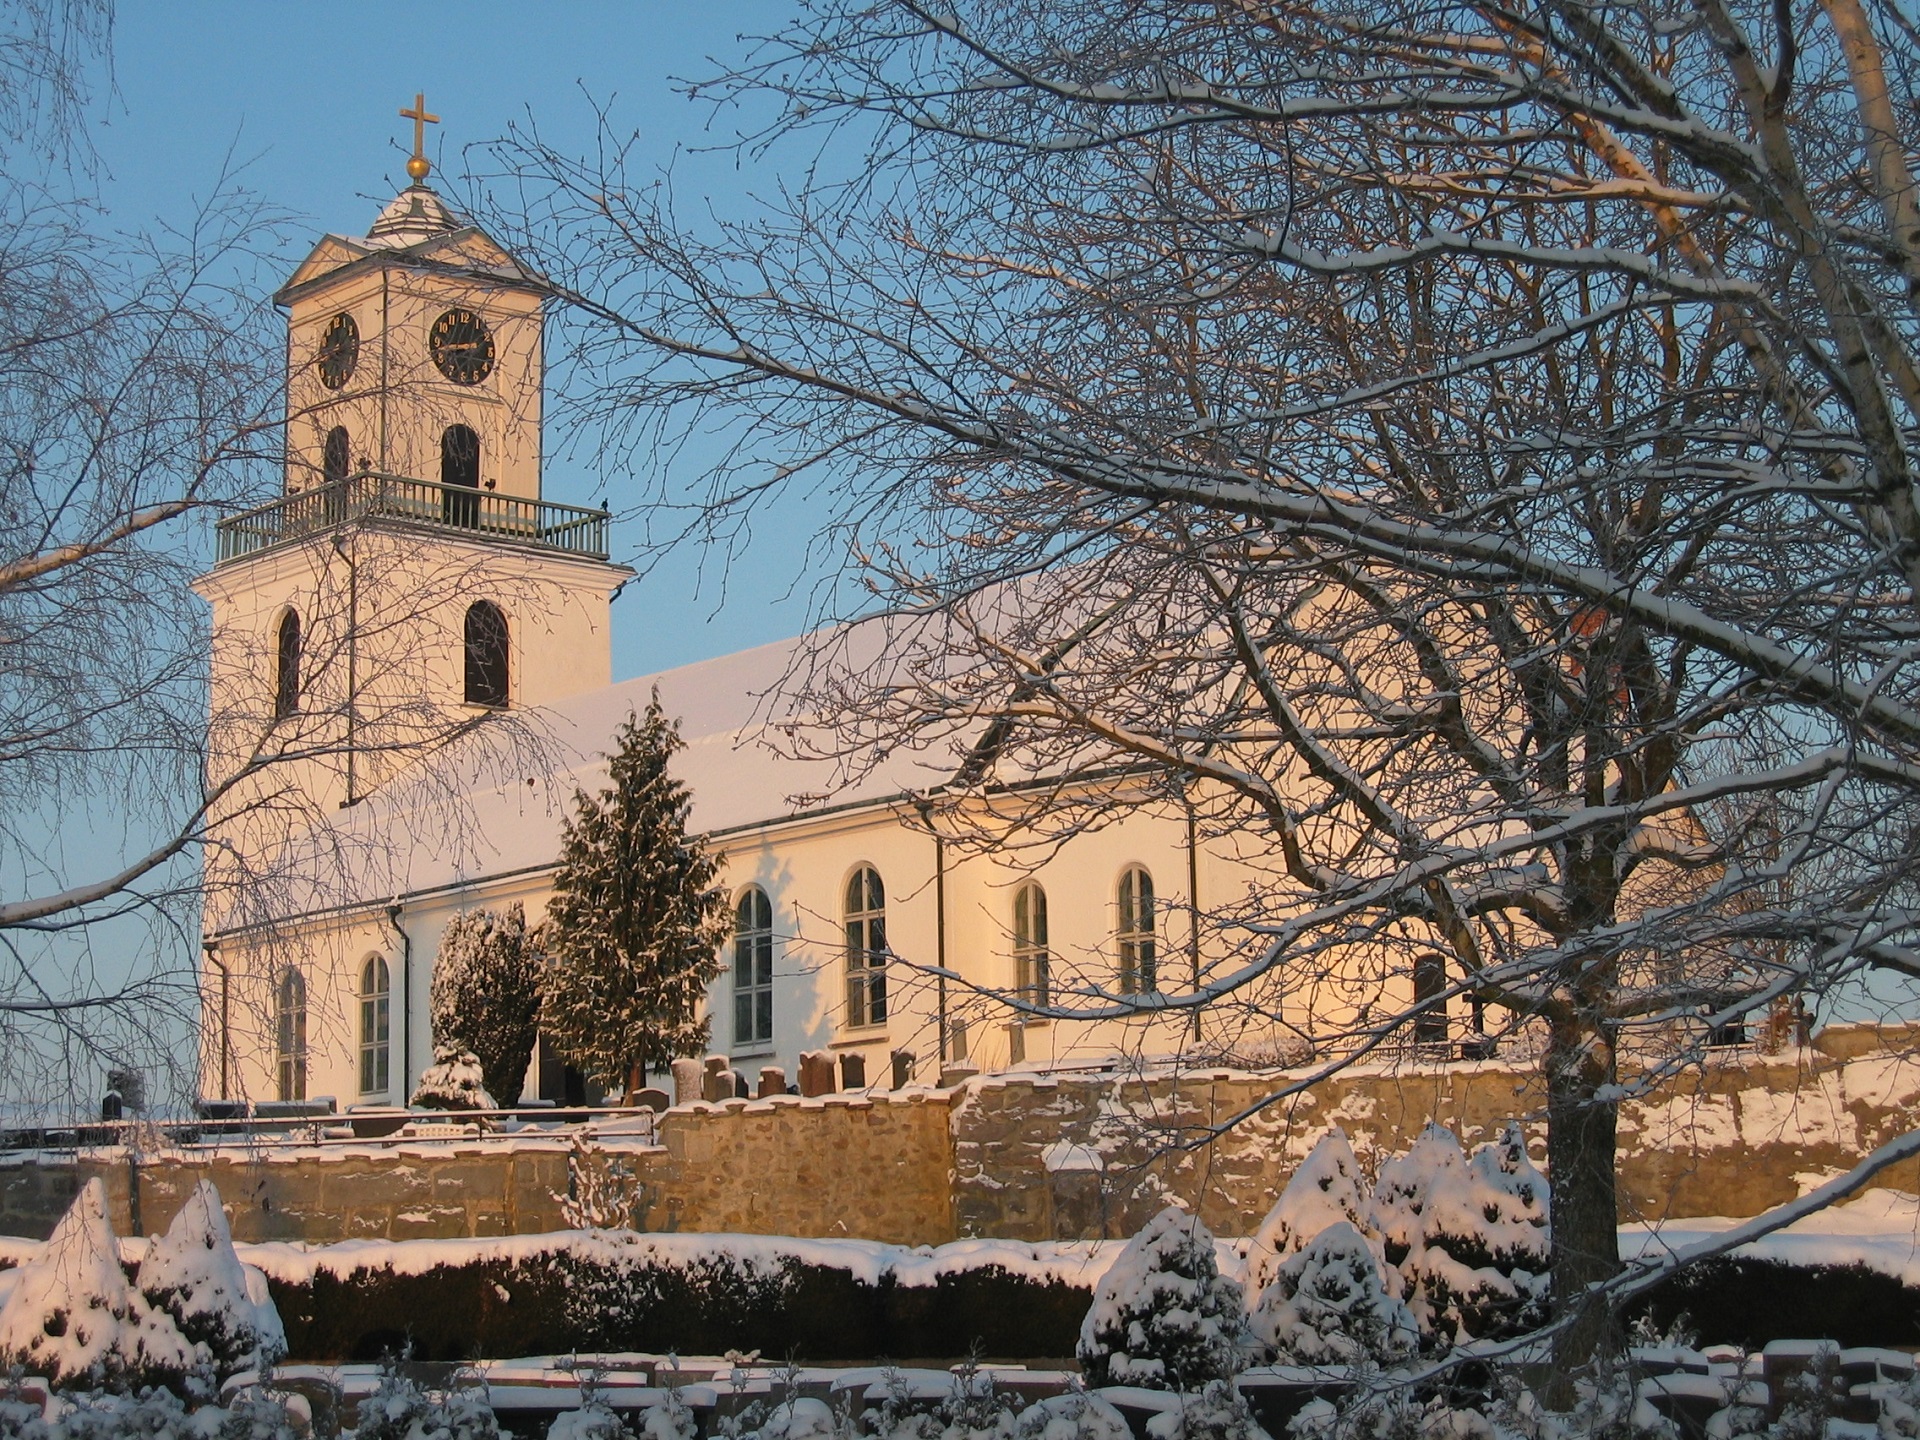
pixel 1078 1263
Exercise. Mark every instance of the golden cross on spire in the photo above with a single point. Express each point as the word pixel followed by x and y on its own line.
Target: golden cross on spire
pixel 419 165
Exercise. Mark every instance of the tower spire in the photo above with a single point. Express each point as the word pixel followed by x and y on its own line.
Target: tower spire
pixel 419 166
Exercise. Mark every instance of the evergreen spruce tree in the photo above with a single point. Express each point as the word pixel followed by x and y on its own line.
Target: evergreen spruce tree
pixel 635 924
pixel 486 996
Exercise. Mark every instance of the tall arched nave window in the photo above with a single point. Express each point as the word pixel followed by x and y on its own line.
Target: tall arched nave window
pixel 375 1045
pixel 1031 961
pixel 866 931
pixel 286 665
pixel 486 655
pixel 1134 934
pixel 290 1034
pixel 753 969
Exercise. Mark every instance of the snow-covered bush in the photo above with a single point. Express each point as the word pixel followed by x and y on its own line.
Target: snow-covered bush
pixel 602 1190
pixel 800 1417
pixel 595 1419
pixel 1469 1237
pixel 160 1415
pixel 193 1274
pixel 74 1319
pixel 1390 1412
pixel 21 1418
pixel 1899 1412
pixel 1327 1189
pixel 1164 1317
pixel 452 1082
pixel 1606 1407
pixel 1076 1415
pixel 1812 1398
pixel 671 1419
pixel 1329 1306
pixel 971 1410
pixel 486 995
pixel 1217 1412
pixel 400 1409
pixel 592 1421
pixel 1406 1181
pixel 1514 1204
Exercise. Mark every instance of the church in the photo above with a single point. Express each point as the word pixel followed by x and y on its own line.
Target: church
pixel 411 672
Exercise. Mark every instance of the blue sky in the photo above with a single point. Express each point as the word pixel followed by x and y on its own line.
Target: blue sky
pixel 306 97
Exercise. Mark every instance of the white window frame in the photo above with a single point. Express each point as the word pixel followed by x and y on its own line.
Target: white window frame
pixel 865 928
pixel 376 1027
pixel 753 970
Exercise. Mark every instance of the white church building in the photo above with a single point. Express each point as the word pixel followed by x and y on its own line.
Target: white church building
pixel 411 598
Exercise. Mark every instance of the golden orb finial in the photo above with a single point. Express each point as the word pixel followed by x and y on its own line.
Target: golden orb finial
pixel 419 165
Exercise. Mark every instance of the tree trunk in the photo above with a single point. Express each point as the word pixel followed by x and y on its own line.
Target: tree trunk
pixel 1581 1120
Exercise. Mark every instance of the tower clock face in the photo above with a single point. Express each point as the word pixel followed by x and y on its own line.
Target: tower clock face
pixel 462 347
pixel 339 351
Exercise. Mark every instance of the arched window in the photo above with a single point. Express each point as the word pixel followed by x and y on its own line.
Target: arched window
pixel 1030 958
pixel 1429 984
pixel 486 637
pixel 460 468
pixel 374 1045
pixel 753 968
pixel 1134 932
pixel 290 1034
pixel 334 461
pixel 286 666
pixel 866 948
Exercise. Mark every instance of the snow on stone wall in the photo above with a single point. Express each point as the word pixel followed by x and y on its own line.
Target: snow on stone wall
pixel 1025 1156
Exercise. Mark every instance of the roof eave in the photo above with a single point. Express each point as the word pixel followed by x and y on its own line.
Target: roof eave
pixel 408 258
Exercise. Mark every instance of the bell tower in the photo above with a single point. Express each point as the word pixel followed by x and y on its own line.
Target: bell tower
pixel 411 578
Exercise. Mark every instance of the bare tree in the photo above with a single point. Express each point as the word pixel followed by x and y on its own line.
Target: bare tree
pixel 137 396
pixel 143 396
pixel 1462 451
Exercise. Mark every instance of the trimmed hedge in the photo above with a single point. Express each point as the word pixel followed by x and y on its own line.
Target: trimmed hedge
pixel 565 1299
pixel 1737 1301
pixel 562 1302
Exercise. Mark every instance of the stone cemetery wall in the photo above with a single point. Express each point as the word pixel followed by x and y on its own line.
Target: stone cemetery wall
pixel 1036 1158
pixel 1019 1157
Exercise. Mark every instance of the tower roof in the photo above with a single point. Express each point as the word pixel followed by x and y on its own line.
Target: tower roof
pixel 417 213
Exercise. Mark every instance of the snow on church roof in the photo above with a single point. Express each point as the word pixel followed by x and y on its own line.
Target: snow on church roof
pixel 400 841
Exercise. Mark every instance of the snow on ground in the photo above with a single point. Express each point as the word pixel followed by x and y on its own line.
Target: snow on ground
pixel 1880 1230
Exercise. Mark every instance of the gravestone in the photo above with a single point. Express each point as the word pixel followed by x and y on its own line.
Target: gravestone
pixel 718 1083
pixel 689 1081
pixel 816 1073
pixel 853 1071
pixel 773 1081
pixel 902 1069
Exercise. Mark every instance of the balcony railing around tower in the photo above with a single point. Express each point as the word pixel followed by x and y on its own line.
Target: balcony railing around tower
pixel 454 509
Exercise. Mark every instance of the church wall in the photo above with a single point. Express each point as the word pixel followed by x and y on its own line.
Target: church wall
pixel 804 867
pixel 805 872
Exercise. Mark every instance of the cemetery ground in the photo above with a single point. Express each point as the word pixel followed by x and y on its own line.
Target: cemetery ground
pixel 1405 1302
